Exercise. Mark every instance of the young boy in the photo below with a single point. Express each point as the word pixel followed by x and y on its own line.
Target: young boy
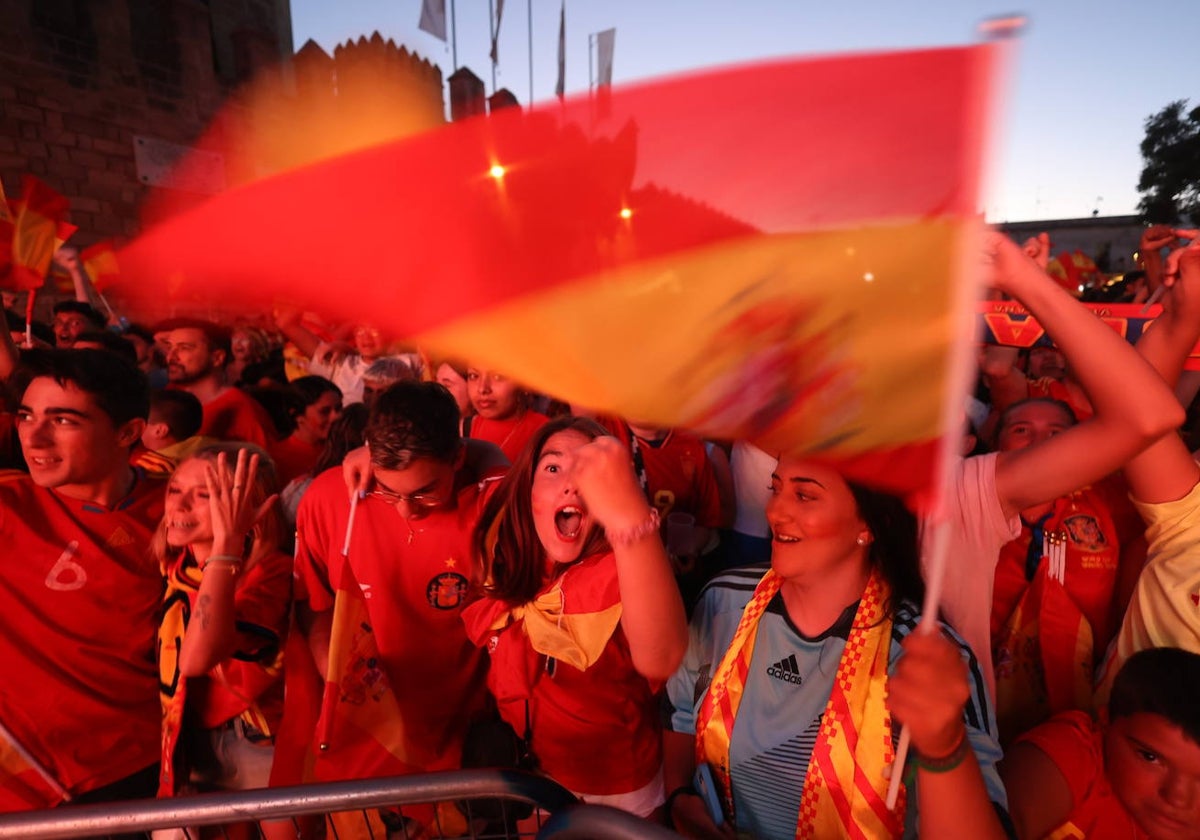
pixel 1138 776
pixel 79 596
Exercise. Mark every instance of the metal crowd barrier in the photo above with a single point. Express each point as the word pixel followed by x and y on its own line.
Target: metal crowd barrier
pixel 546 811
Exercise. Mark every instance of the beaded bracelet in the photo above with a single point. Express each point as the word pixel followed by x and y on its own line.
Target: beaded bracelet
pixel 229 561
pixel 682 790
pixel 648 526
pixel 946 763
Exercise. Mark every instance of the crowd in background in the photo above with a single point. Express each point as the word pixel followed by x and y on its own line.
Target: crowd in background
pixel 273 551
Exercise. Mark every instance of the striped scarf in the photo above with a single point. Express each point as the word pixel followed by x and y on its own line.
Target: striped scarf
pixel 845 786
pixel 225 696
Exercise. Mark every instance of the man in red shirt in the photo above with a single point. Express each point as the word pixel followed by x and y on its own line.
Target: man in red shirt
pixel 197 352
pixel 404 682
pixel 79 595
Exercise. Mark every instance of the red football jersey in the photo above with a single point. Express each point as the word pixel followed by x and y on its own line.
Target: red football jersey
pixel 678 472
pixel 596 731
pixel 510 435
pixel 235 415
pixel 414 577
pixel 293 458
pixel 79 604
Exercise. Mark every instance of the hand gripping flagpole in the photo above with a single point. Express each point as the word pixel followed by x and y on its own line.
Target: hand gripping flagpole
pixel 1002 28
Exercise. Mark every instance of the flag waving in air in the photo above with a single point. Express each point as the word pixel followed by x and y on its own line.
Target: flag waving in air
pixel 39 227
pixel 433 18
pixel 606 42
pixel 769 252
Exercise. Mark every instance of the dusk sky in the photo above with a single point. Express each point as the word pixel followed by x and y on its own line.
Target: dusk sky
pixel 1087 72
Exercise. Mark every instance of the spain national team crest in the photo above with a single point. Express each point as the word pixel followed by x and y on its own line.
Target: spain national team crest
pixel 446 591
pixel 1086 532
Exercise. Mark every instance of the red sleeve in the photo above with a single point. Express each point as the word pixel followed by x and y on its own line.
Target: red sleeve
pixel 1115 492
pixel 252 424
pixel 1072 741
pixel 311 567
pixel 615 426
pixel 261 604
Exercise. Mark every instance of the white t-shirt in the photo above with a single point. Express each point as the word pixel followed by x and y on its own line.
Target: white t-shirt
pixel 978 530
pixel 347 372
pixel 751 468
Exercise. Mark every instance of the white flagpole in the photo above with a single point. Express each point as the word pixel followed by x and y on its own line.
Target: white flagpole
pixel 961 372
pixel 25 755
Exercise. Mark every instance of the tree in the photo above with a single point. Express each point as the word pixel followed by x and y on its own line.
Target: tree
pixel 1170 182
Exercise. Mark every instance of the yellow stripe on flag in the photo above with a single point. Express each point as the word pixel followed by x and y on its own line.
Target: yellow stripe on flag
pixel 743 324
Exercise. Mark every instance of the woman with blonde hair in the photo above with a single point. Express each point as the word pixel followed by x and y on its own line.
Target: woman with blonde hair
pixel 225 614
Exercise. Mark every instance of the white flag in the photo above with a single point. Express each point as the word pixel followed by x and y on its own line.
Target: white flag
pixel 496 31
pixel 562 52
pixel 433 18
pixel 606 41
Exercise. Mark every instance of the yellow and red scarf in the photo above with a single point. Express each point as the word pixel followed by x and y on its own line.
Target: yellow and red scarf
pixel 845 787
pixel 225 697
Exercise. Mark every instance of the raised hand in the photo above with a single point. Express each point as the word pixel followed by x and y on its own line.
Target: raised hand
pixel 1156 237
pixel 1009 263
pixel 231 509
pixel 603 474
pixel 1037 248
pixel 1177 258
pixel 67 258
pixel 928 691
pixel 357 472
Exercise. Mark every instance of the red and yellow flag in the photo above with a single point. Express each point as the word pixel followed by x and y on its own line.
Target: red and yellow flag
pixel 39 227
pixel 769 252
pixel 1074 271
pixel 1044 656
pixel 359 730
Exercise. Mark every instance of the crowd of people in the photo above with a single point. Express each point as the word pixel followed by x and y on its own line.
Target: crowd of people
pixel 259 553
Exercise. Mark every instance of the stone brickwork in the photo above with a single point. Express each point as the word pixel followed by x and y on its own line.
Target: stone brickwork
pixel 80 79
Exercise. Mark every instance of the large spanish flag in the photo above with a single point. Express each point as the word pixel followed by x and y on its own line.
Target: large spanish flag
pixel 770 252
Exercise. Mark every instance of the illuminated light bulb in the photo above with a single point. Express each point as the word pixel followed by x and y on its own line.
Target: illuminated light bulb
pixel 497 171
pixel 869 277
pixel 626 213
